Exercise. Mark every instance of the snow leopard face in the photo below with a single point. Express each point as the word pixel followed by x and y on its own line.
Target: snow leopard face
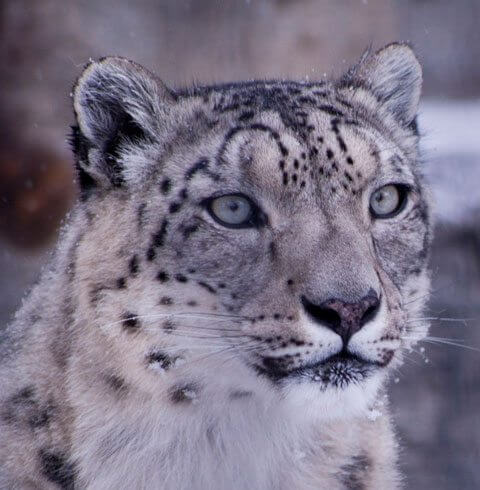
pixel 253 238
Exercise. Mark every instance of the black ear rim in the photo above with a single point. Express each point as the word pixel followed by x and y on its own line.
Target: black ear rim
pixel 80 146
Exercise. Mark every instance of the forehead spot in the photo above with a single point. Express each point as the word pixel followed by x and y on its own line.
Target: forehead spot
pixel 166 301
pixel 165 186
pixel 163 276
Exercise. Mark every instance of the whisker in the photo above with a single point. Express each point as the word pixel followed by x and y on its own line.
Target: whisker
pixel 428 337
pixel 221 351
pixel 156 316
pixel 189 336
pixel 443 319
pixel 430 293
pixel 445 342
pixel 208 329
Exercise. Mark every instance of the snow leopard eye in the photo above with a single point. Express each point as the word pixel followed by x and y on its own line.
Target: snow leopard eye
pixel 234 211
pixel 388 201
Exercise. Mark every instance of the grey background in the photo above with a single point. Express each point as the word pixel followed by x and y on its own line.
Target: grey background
pixel 44 44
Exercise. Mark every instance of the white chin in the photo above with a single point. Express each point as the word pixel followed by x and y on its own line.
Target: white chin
pixel 333 403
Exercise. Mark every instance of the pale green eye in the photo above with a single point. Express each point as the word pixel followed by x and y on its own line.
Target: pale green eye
pixel 387 201
pixel 231 210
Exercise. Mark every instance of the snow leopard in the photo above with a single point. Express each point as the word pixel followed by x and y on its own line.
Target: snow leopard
pixel 245 268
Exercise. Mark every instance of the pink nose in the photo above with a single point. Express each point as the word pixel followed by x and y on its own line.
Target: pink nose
pixel 342 317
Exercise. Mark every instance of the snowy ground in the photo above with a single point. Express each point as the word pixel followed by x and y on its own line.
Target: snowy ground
pixel 435 403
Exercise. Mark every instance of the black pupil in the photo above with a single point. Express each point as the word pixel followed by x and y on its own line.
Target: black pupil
pixel 380 196
pixel 233 206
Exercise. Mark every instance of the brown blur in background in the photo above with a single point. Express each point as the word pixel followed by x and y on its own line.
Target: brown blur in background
pixel 45 43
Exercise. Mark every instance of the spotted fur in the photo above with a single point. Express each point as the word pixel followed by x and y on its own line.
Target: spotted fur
pixel 161 349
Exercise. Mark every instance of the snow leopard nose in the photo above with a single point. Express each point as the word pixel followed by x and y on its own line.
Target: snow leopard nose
pixel 344 318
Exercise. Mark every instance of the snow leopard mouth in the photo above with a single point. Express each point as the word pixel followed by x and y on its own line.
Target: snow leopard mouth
pixel 338 370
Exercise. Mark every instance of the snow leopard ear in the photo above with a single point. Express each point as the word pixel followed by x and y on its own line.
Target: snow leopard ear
pixel 117 104
pixel 394 75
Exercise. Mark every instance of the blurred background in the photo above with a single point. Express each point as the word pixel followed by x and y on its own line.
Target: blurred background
pixel 45 43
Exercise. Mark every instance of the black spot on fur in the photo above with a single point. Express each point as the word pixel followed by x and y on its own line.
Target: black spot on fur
pixel 206 286
pixel 169 326
pixel 141 214
pixel 273 250
pixel 42 416
pixel 183 393
pixel 305 99
pixel 116 383
pixel 353 474
pixel 181 278
pixel 329 153
pixel 350 160
pixel 283 149
pixel 334 124
pixel 159 237
pixel 133 265
pixel 160 358
pixel 341 144
pixel 166 301
pixel 245 116
pixel 197 167
pixel 331 110
pixel 56 468
pixel 151 254
pixel 189 230
pixel 25 395
pixel 23 408
pixel 121 283
pixel 175 207
pixel 163 276
pixel 130 321
pixel 166 186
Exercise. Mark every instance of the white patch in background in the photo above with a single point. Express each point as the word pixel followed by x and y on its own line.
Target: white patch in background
pixel 451 149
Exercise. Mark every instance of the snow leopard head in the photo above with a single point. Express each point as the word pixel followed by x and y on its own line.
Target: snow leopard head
pixel 266 237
